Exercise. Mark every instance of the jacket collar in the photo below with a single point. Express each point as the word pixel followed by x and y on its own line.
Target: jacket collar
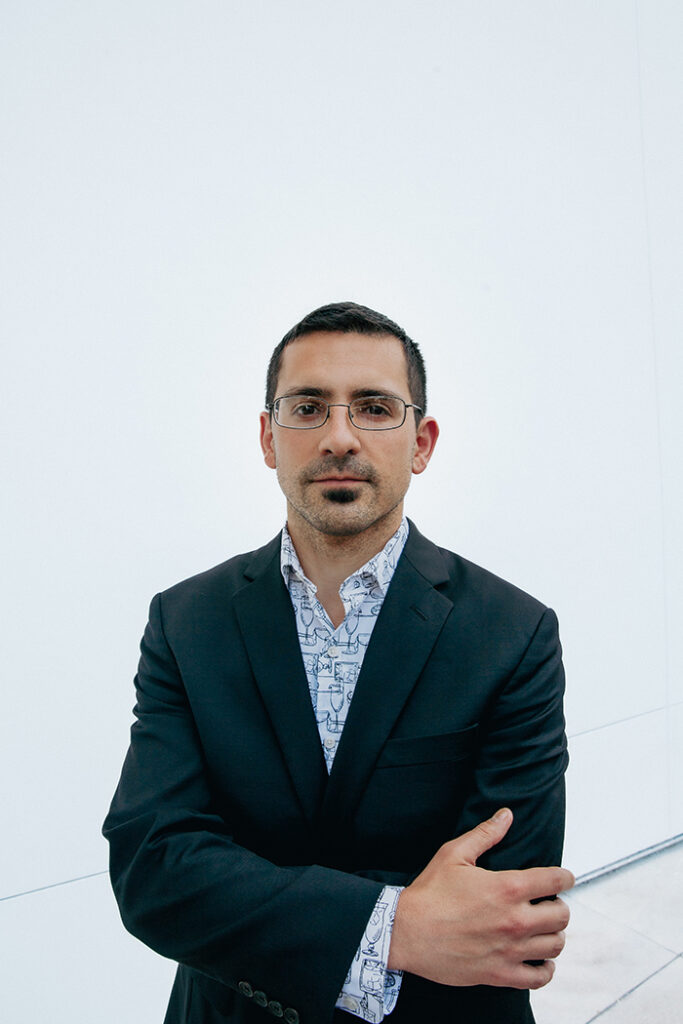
pixel 266 618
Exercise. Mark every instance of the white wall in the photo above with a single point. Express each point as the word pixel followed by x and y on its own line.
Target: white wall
pixel 183 181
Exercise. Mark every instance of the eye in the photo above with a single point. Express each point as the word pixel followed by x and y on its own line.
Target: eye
pixel 375 408
pixel 306 408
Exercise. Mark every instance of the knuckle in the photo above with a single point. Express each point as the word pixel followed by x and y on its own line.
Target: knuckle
pixel 484 830
pixel 514 926
pixel 511 887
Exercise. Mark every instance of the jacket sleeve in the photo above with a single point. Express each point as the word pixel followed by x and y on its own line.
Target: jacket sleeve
pixel 523 757
pixel 188 891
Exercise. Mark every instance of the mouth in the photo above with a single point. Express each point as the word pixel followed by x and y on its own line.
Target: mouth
pixel 340 481
pixel 335 474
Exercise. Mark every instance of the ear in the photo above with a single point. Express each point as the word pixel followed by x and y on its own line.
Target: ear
pixel 425 439
pixel 266 439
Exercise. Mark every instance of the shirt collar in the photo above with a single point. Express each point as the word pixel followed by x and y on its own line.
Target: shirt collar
pixel 377 572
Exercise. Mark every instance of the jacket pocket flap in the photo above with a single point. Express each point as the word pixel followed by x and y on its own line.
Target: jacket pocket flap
pixel 449 746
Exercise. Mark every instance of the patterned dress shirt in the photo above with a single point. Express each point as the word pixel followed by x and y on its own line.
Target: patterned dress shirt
pixel 333 659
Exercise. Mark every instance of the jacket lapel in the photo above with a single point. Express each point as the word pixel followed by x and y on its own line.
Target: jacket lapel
pixel 266 618
pixel 412 616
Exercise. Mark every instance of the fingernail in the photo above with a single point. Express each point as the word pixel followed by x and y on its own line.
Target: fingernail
pixel 502 814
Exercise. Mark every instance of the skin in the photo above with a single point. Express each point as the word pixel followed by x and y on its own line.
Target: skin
pixel 456 923
pixel 370 470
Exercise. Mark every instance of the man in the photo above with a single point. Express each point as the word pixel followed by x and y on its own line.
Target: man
pixel 326 727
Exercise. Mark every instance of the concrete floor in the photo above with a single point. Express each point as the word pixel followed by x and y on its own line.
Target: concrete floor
pixel 623 962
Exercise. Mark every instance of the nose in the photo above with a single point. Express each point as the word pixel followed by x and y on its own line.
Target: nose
pixel 338 434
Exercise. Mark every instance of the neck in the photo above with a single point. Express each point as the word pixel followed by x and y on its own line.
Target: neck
pixel 328 559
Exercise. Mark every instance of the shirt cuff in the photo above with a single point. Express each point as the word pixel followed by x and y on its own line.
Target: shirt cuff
pixel 371 989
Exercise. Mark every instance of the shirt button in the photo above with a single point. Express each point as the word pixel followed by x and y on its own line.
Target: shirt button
pixel 329 743
pixel 333 651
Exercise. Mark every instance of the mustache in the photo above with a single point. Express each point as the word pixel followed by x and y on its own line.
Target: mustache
pixel 332 466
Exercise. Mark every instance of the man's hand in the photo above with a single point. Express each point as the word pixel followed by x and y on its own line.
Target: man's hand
pixel 458 924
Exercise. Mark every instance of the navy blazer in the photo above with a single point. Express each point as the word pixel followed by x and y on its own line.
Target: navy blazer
pixel 233 853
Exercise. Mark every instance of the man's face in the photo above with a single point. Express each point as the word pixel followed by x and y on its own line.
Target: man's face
pixel 338 479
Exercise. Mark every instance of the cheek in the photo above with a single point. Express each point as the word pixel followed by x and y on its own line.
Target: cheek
pixel 404 460
pixel 290 457
pixel 395 469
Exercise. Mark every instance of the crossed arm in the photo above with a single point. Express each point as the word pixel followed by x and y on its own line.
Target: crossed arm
pixel 458 924
pixel 187 889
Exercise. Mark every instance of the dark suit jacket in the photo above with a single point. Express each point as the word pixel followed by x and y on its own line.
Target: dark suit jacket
pixel 231 850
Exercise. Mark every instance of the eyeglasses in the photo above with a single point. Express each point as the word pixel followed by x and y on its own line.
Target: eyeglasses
pixel 375 412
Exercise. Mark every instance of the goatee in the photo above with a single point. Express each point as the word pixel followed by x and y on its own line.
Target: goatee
pixel 342 495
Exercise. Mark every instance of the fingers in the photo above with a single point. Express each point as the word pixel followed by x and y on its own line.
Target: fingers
pixel 528 976
pixel 527 923
pixel 544 947
pixel 549 918
pixel 536 884
pixel 523 975
pixel 468 847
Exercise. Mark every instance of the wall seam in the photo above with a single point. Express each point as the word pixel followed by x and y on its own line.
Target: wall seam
pixel 53 885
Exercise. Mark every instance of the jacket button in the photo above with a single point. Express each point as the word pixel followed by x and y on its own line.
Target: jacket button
pixel 246 989
pixel 275 1008
pixel 291 1016
pixel 260 998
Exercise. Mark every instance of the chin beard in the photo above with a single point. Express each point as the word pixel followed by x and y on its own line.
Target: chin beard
pixel 341 495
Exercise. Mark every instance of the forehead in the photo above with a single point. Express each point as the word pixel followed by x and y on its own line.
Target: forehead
pixel 338 361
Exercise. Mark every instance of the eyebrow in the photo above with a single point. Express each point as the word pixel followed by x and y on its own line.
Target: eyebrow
pixel 326 393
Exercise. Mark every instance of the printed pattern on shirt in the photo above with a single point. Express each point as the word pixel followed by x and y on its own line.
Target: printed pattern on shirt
pixel 333 659
pixel 371 990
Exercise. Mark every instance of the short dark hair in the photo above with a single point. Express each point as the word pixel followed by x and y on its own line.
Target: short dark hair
pixel 350 317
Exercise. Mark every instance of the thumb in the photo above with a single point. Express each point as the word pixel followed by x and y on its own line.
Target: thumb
pixel 470 846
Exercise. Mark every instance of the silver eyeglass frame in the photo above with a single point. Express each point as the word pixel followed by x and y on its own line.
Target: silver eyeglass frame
pixel 271 407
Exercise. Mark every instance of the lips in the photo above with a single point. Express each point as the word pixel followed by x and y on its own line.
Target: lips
pixel 339 480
